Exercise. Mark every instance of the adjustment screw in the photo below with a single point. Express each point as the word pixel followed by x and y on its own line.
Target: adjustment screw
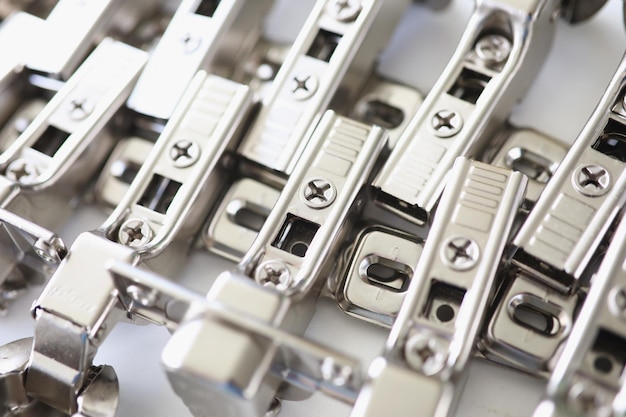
pixel 190 42
pixel 493 49
pixel 344 10
pixel 47 252
pixel 446 123
pixel 592 180
pixel 23 171
pixel 617 301
pixel 184 153
pixel 425 353
pixel 273 274
pixel 303 86
pixel 318 193
pixel 80 107
pixel 135 233
pixel 460 253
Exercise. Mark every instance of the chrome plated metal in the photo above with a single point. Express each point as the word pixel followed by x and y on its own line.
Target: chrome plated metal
pixel 571 218
pixel 329 55
pixel 434 335
pixel 469 102
pixel 203 34
pixel 588 377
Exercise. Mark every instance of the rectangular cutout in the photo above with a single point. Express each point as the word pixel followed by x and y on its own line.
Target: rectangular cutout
pixel 207 7
pixel 50 141
pixel 159 194
pixel 295 235
pixel 469 86
pixel 612 142
pixel 443 302
pixel 324 45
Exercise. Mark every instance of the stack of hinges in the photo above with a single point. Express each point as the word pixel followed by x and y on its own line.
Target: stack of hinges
pixel 316 178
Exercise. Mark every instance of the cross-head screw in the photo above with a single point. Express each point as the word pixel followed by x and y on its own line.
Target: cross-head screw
pixel 135 233
pixel 460 253
pixel 493 49
pixel 617 301
pixel 273 274
pixel 344 10
pixel 190 42
pixel 184 153
pixel 425 353
pixel 80 107
pixel 318 193
pixel 446 123
pixel 592 180
pixel 23 171
pixel 303 86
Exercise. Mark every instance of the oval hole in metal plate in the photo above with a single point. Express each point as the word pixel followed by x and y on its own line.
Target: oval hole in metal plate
pixel 245 214
pixel 377 112
pixel 386 273
pixel 535 314
pixel 535 166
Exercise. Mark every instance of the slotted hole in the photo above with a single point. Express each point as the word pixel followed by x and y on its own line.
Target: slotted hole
pixel 385 273
pixel 250 216
pixel 531 317
pixel 377 112
pixel 535 166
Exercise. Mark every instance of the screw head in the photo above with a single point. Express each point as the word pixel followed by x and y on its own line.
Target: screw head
pixel 274 274
pixel 184 153
pixel 23 171
pixel 190 42
pixel 585 398
pixel 318 193
pixel 80 107
pixel 591 180
pixel 493 49
pixel 446 123
pixel 344 10
pixel 335 373
pixel 47 252
pixel 617 301
pixel 141 295
pixel 460 253
pixel 425 353
pixel 303 86
pixel 135 233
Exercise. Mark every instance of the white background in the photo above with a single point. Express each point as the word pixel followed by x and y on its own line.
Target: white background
pixel 581 64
